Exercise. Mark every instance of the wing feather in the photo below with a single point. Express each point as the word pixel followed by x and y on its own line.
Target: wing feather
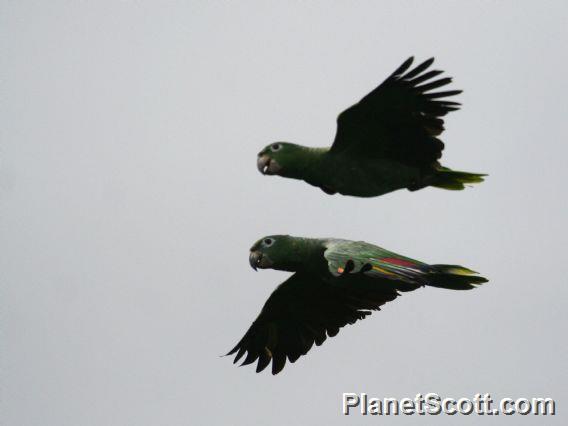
pixel 302 311
pixel 400 119
pixel 374 261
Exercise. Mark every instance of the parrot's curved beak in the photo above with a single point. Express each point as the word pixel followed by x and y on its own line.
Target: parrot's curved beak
pixel 259 260
pixel 267 165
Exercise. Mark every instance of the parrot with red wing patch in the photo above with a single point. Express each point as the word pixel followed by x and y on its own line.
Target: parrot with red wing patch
pixel 335 282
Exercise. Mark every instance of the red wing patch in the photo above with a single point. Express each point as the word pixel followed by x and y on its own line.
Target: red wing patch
pixel 399 262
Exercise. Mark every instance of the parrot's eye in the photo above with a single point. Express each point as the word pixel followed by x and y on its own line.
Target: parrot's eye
pixel 275 147
pixel 268 242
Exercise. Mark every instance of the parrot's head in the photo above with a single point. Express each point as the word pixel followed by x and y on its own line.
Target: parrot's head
pixel 278 158
pixel 275 252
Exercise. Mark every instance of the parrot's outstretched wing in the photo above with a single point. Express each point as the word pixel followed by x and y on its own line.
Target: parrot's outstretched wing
pixel 302 311
pixel 398 120
pixel 360 258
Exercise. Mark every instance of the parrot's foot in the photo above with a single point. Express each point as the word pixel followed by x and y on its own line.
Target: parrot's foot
pixel 420 183
pixel 328 190
pixel 415 186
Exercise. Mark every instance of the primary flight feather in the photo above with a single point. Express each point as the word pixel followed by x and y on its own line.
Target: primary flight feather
pixel 385 142
pixel 335 282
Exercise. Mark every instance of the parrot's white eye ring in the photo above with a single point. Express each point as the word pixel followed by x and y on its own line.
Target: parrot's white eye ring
pixel 275 147
pixel 268 242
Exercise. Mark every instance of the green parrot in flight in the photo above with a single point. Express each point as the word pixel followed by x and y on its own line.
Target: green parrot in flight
pixel 385 142
pixel 335 282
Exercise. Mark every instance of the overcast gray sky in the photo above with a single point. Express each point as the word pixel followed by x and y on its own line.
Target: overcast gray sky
pixel 129 199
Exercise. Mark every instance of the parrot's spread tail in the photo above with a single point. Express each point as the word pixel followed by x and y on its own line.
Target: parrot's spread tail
pixel 454 180
pixel 454 277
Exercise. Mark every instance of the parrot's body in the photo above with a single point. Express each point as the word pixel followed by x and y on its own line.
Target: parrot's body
pixel 336 282
pixel 385 142
pixel 361 177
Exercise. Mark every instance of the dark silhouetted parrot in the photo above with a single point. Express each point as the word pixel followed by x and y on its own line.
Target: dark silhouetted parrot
pixel 335 282
pixel 387 141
